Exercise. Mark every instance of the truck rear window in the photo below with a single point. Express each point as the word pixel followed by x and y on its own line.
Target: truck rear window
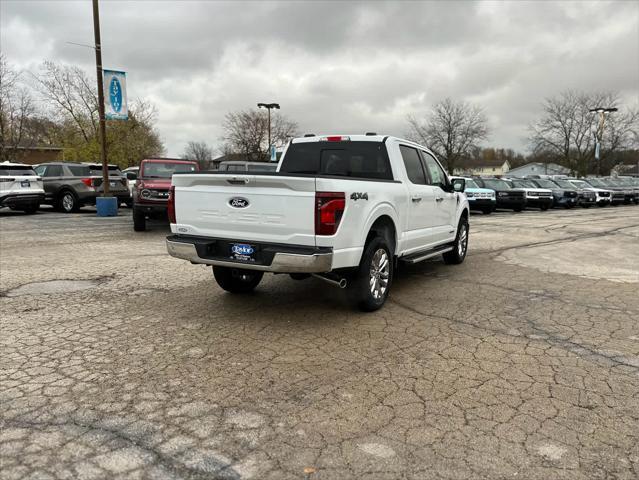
pixel 344 159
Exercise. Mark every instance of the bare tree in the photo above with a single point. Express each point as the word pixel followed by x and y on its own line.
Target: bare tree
pixel 246 132
pixel 200 152
pixel 452 129
pixel 16 109
pixel 566 131
pixel 71 102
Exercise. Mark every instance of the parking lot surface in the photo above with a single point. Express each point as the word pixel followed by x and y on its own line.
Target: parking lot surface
pixel 118 361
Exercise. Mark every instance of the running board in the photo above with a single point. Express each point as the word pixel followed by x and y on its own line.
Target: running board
pixel 418 257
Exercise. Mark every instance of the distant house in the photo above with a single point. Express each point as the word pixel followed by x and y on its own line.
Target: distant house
pixel 484 167
pixel 35 155
pixel 538 168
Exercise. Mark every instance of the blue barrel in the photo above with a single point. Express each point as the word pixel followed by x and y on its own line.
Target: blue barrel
pixel 107 206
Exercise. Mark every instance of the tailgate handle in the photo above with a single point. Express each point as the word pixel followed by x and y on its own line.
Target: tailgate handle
pixel 238 181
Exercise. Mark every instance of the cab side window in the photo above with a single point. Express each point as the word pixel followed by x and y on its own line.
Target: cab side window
pixel 437 175
pixel 413 164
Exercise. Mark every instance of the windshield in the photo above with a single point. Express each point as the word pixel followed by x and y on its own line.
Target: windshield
pixel 546 183
pixel 471 184
pixel 580 183
pixel 565 184
pixel 348 159
pixel 17 170
pixel 524 184
pixel 596 182
pixel 166 169
pixel 496 184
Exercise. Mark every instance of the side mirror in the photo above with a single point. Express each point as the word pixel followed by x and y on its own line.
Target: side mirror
pixel 459 184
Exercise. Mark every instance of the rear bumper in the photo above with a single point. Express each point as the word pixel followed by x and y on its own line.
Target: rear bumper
pixel 272 257
pixel 21 200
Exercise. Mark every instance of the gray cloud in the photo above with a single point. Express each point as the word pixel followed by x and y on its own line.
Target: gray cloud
pixel 338 66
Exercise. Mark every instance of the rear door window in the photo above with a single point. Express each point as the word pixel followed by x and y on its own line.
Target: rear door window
pixel 413 164
pixel 79 170
pixel 343 159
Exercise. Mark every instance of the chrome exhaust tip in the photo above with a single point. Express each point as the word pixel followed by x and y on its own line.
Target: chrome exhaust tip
pixel 337 282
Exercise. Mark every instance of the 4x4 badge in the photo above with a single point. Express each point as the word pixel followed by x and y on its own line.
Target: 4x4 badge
pixel 358 195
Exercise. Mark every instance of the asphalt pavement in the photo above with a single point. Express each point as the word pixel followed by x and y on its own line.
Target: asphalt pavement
pixel 118 361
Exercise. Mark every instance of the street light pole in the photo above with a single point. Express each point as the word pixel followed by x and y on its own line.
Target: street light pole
pixel 269 107
pixel 98 67
pixel 599 133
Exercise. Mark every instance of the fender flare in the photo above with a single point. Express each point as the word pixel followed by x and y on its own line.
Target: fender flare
pixel 382 209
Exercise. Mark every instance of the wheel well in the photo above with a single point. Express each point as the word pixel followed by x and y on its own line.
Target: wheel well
pixel 383 227
pixel 464 214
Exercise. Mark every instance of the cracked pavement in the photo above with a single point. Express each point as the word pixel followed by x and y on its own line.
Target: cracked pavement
pixel 523 362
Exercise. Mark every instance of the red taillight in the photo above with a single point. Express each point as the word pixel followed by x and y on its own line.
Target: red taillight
pixel 329 208
pixel 171 205
pixel 88 182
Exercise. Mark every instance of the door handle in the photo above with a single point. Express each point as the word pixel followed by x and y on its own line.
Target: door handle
pixel 439 199
pixel 416 198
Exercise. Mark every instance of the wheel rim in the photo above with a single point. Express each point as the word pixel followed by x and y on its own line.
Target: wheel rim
pixel 67 202
pixel 463 241
pixel 379 273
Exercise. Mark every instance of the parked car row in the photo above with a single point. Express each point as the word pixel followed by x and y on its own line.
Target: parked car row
pixel 488 194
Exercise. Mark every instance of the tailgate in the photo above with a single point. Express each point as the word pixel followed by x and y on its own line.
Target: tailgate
pixel 260 208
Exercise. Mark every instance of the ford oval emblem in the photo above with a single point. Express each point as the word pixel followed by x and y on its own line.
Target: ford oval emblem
pixel 238 202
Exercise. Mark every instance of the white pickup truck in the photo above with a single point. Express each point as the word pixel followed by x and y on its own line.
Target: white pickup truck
pixel 345 209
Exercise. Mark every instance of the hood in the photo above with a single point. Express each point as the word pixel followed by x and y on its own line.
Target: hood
pixel 479 190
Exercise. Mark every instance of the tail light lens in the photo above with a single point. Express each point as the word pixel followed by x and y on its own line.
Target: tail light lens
pixel 329 208
pixel 171 205
pixel 88 182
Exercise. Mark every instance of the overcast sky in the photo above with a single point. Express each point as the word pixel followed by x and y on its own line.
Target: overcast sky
pixel 337 66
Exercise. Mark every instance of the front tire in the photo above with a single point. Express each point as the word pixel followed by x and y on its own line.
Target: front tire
pixel 236 280
pixel 67 202
pixel 139 220
pixel 487 210
pixel 460 247
pixel 368 288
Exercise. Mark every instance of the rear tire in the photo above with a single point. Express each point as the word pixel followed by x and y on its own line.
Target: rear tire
pixel 139 220
pixel 458 253
pixel 369 286
pixel 237 280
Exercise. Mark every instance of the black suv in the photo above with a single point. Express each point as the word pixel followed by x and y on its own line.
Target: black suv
pixel 507 197
pixel 68 186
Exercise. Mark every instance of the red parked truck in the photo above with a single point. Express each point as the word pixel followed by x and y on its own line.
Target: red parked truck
pixel 151 190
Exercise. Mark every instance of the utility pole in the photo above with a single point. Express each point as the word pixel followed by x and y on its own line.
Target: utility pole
pixel 98 67
pixel 269 106
pixel 599 132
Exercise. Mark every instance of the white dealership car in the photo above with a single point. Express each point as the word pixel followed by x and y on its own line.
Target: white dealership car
pixel 346 209
pixel 20 187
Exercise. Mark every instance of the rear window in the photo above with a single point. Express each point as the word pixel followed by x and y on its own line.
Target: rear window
pixel 16 170
pixel 165 169
pixel 96 170
pixel 80 170
pixel 267 167
pixel 343 159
